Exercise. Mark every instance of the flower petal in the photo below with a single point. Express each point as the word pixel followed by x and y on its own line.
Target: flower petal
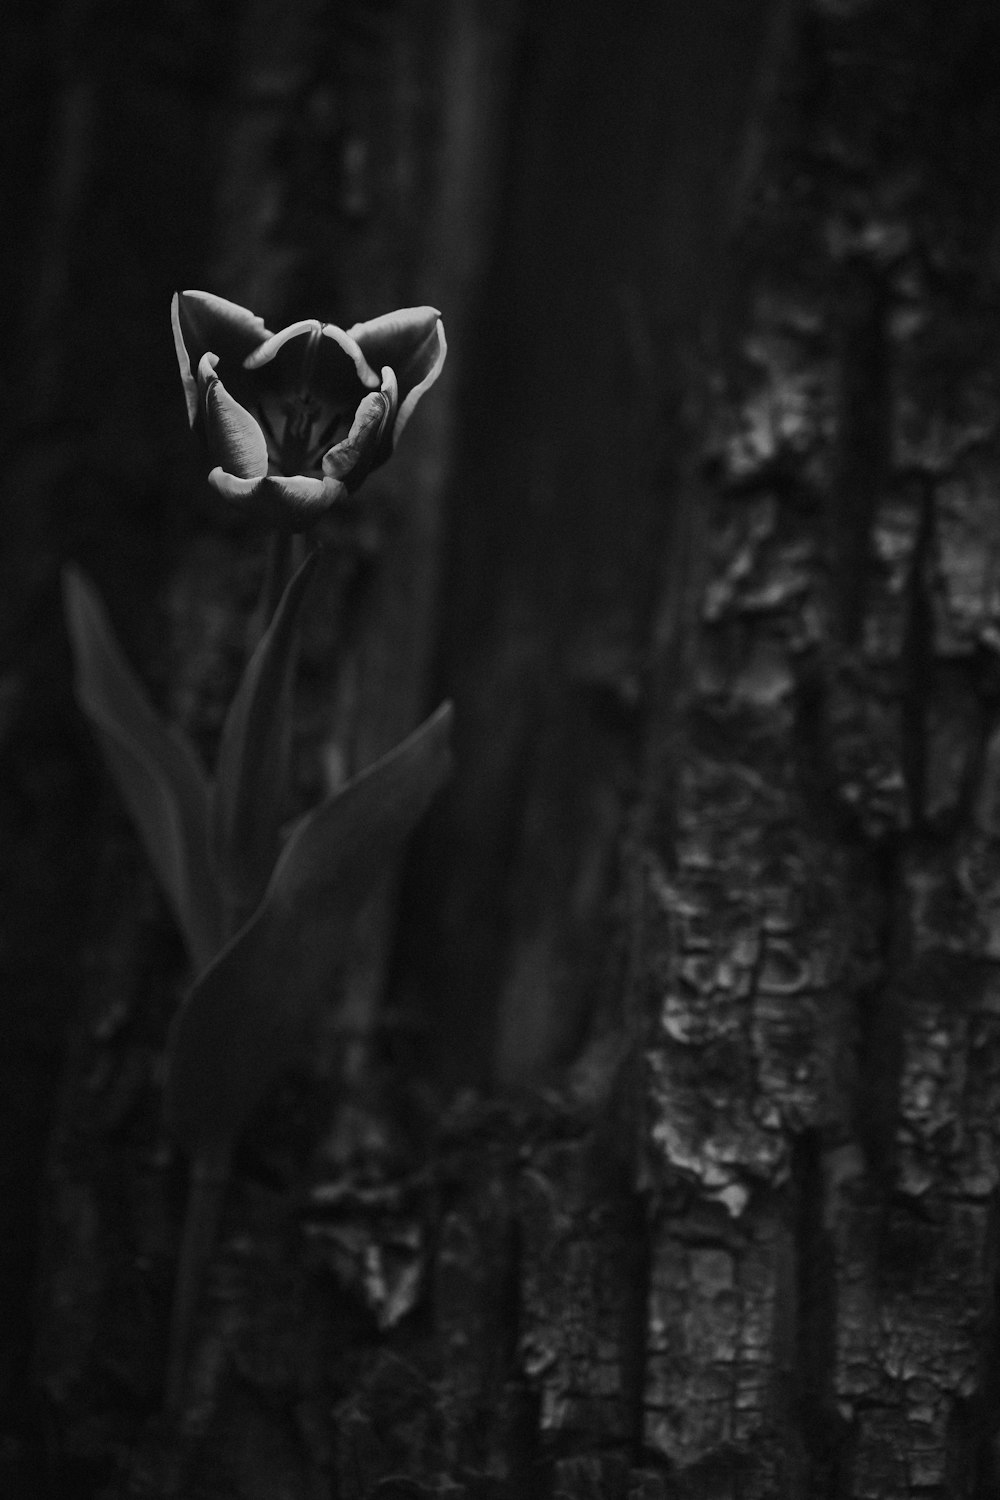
pixel 328 361
pixel 184 362
pixel 310 358
pixel 235 440
pixel 296 503
pixel 412 343
pixel 390 390
pixel 265 352
pixel 203 323
pixel 368 442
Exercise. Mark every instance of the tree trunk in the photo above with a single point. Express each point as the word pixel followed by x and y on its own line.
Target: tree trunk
pixel 650 1147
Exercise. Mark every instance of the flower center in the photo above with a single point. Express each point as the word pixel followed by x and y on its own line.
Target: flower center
pixel 296 433
pixel 299 428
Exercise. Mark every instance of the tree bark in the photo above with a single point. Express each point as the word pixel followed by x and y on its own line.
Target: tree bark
pixel 817 961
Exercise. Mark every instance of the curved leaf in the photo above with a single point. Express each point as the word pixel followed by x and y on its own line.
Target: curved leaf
pixel 336 853
pixel 246 1017
pixel 154 766
pixel 250 781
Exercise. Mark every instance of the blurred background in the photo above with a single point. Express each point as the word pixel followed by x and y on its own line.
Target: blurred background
pixel 564 191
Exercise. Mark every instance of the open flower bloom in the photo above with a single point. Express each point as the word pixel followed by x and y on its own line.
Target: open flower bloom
pixel 294 421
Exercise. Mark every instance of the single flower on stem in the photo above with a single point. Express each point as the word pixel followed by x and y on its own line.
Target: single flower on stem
pixel 294 421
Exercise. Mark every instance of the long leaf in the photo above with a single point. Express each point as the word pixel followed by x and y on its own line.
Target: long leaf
pixel 248 804
pixel 155 768
pixel 245 1019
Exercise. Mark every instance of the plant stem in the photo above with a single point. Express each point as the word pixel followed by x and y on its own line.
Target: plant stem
pixel 206 1195
pixel 281 554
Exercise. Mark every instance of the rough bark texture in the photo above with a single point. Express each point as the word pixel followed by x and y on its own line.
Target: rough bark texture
pixel 817 955
pixel 651 1149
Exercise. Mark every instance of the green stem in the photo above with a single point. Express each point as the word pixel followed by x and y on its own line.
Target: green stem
pixel 206 1196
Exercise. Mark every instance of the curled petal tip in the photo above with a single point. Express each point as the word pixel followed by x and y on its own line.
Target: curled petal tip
pixel 265 352
pixel 234 437
pixel 390 390
pixel 401 332
pixel 184 360
pixel 207 304
pixel 412 343
pixel 353 350
pixel 365 445
pixel 427 367
pixel 318 358
pixel 203 322
pixel 210 322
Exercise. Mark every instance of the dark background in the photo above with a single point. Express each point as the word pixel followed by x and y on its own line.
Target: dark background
pixel 699 530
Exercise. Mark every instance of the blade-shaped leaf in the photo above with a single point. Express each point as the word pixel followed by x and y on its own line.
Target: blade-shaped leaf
pixel 337 852
pixel 245 1018
pixel 248 803
pixel 155 768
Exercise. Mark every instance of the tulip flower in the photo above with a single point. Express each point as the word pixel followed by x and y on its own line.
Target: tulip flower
pixel 294 421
